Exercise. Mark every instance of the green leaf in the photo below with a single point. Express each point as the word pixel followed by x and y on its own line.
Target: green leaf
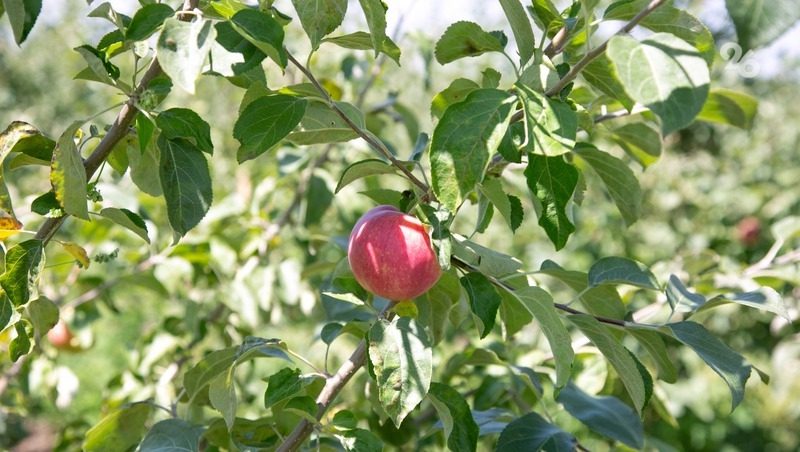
pixel 546 16
pixel 725 362
pixel 6 311
pixel 640 140
pixel 22 14
pixel 510 207
pixel 486 260
pixel 401 360
pixel 282 386
pixel 265 122
pixel 654 344
pixel 21 344
pixel 436 305
pixel 17 135
pixel 765 298
pixel 207 369
pixel 465 39
pixel 361 40
pixel 318 198
pixel 453 94
pixel 460 428
pixel 147 20
pixel 183 48
pixel 128 220
pixel 184 123
pixel 540 305
pixel 172 435
pixel 67 174
pixel 668 19
pixel 360 440
pixel 363 168
pixel 120 430
pixel 620 270
pixel 552 125
pixel 620 181
pixel 521 27
pixel 664 73
pixel 222 395
pixel 321 124
pixel 552 181
pixel 619 357
pixel 680 298
pixel 250 57
pixel 605 415
pixel 759 23
pixel 186 182
pixel 375 13
pixel 463 141
pixel 532 433
pixel 21 270
pixel 601 74
pixel 100 69
pixel 262 31
pixel 483 300
pixel 320 17
pixel 43 314
pixel 725 106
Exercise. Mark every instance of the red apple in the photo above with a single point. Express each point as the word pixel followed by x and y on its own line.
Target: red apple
pixel 391 256
pixel 60 336
pixel 748 231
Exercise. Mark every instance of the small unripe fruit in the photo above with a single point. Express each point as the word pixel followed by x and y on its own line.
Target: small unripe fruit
pixel 60 336
pixel 390 254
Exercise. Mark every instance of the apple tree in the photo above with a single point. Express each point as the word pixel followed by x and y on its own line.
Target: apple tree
pixel 212 235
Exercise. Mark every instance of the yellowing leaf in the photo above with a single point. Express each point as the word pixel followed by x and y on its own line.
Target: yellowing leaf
pixel 9 226
pixel 77 252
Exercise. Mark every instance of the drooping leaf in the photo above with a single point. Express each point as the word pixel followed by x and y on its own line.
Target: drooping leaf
pixel 320 17
pixel 401 360
pixel 725 106
pixel 664 73
pixel 605 415
pixel 464 139
pixel 657 349
pixel 510 207
pixel 668 19
pixel 620 358
pixel 207 369
pixel 186 182
pixel 128 220
pixel 6 311
pixel 621 270
pixel 44 315
pixel 77 252
pixel 640 140
pixel 437 302
pixel 17 136
pixel 521 27
pixel 552 181
pixel 147 20
pixel 22 14
pixel 21 270
pixel 483 300
pixel 265 122
pixel 187 124
pixel 361 40
pixel 363 168
pixel 262 31
pixel 21 344
pixel 552 125
pixel 222 395
pixel 99 68
pixel 375 12
pixel 67 174
pixel 183 48
pixel 460 428
pixel 532 433
pixel 725 362
pixel 120 430
pixel 172 435
pixel 465 39
pixel 622 185
pixel 759 23
pixel 321 124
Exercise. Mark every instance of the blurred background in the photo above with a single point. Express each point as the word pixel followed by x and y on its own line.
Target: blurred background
pixel 141 314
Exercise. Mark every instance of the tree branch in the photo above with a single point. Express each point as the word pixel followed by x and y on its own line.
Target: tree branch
pixel 333 385
pixel 373 142
pixel 119 129
pixel 597 51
